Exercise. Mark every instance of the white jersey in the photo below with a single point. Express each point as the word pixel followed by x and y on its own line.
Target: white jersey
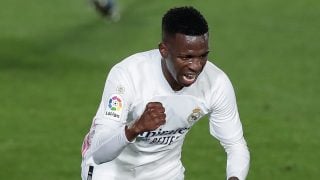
pixel 156 155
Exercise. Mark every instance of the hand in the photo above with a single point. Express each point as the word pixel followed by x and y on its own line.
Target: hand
pixel 233 178
pixel 152 118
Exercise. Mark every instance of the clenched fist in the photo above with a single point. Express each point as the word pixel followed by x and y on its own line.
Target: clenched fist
pixel 153 117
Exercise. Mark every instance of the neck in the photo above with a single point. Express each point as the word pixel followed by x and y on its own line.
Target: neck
pixel 171 81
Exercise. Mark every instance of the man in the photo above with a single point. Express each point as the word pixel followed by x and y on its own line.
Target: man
pixel 152 99
pixel 107 9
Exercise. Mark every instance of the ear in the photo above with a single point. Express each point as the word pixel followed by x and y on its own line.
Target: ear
pixel 163 50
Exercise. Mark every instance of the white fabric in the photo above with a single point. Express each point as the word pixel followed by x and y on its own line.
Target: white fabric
pixel 130 85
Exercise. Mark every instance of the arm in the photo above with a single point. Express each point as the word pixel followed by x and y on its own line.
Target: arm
pixel 153 117
pixel 111 133
pixel 225 125
pixel 108 146
pixel 107 134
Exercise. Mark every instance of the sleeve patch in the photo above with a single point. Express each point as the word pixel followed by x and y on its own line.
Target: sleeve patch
pixel 114 107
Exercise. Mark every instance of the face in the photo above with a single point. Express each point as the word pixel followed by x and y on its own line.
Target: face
pixel 183 58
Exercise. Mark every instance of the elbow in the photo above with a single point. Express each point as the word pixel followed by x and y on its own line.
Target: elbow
pixel 100 158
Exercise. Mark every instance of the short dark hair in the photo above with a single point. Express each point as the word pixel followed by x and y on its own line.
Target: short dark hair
pixel 185 20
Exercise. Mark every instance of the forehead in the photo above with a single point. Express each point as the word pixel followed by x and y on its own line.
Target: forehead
pixel 181 42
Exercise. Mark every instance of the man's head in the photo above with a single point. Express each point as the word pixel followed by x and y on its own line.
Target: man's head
pixel 184 47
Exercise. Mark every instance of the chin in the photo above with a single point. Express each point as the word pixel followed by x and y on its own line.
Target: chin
pixel 186 84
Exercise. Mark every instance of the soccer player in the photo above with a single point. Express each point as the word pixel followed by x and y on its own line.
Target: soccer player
pixel 152 99
pixel 107 8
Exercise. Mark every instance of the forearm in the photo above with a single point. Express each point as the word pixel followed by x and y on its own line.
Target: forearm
pixel 105 148
pixel 238 160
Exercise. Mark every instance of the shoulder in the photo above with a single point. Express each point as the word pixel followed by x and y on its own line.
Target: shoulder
pixel 135 63
pixel 139 59
pixel 213 75
pixel 137 68
pixel 218 87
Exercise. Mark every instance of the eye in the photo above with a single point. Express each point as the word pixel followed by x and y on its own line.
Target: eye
pixel 186 58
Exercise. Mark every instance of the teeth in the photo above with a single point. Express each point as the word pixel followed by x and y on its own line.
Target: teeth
pixel 190 76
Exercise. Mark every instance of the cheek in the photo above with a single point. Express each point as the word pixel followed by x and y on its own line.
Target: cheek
pixel 179 68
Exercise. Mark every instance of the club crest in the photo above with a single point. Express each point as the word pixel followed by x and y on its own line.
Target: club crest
pixel 195 115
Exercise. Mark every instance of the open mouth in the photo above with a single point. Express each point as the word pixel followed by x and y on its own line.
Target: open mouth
pixel 189 78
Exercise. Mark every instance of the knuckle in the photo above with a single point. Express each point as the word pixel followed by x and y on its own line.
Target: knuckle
pixel 158 104
pixel 148 105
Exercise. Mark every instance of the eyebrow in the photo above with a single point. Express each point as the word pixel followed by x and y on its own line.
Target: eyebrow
pixel 189 55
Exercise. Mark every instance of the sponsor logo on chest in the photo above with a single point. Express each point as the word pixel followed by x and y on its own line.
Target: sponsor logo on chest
pixel 162 137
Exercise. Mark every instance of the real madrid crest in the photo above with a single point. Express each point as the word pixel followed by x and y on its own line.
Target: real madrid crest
pixel 195 115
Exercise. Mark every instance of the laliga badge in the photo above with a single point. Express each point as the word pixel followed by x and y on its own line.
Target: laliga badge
pixel 114 107
pixel 195 115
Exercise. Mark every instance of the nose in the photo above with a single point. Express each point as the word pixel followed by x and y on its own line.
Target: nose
pixel 196 64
